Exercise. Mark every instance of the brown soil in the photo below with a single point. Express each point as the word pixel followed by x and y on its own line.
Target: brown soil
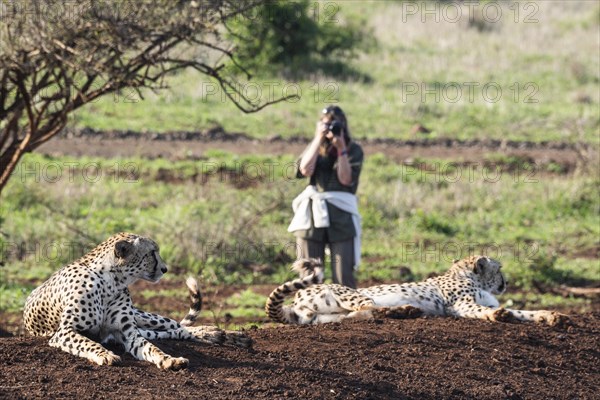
pixel 192 145
pixel 429 358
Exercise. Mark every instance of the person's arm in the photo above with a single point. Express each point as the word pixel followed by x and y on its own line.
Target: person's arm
pixel 344 171
pixel 309 158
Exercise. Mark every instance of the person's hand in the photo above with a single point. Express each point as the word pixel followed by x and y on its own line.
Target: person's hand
pixel 321 131
pixel 338 141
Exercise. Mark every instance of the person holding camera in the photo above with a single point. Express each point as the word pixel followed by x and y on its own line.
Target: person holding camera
pixel 326 212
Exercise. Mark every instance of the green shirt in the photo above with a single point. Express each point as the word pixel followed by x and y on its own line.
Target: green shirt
pixel 341 226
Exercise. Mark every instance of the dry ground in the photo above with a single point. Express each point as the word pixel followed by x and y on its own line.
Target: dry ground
pixel 181 145
pixel 431 358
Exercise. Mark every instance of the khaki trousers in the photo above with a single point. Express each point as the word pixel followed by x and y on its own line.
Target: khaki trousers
pixel 342 258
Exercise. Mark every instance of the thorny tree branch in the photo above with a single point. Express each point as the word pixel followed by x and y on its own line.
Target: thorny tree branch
pixel 51 65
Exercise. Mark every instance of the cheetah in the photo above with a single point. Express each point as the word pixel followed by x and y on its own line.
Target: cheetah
pixel 466 290
pixel 88 299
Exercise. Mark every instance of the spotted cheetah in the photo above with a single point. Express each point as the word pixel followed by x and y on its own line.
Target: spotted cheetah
pixel 89 299
pixel 466 290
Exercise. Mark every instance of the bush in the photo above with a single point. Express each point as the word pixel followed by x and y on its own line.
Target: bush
pixel 544 270
pixel 432 222
pixel 293 39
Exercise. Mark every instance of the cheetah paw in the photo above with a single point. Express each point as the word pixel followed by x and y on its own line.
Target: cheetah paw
pixel 108 358
pixel 406 311
pixel 174 363
pixel 213 335
pixel 552 318
pixel 378 313
pixel 238 339
pixel 501 315
pixel 207 334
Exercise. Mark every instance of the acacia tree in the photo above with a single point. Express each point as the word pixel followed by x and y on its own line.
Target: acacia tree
pixel 58 55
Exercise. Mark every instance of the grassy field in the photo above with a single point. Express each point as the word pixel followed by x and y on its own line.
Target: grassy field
pixel 224 216
pixel 531 75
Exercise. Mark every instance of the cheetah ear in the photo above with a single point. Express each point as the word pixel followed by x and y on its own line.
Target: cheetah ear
pixel 480 265
pixel 123 248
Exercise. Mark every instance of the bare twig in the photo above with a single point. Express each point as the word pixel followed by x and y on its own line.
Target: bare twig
pixel 122 52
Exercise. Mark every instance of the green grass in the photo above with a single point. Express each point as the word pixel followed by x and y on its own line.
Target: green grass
pixel 547 92
pixel 246 304
pixel 542 226
pixel 13 295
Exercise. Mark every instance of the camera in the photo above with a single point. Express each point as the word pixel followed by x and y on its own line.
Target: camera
pixel 335 127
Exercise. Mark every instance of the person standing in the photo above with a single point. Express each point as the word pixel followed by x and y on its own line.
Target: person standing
pixel 326 212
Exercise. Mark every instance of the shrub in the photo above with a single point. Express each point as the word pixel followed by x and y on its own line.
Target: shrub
pixel 432 222
pixel 289 38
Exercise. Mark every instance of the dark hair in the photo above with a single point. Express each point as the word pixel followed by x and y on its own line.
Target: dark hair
pixel 333 110
pixel 336 113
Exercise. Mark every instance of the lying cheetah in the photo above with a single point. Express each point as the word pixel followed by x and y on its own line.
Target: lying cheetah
pixel 89 298
pixel 467 290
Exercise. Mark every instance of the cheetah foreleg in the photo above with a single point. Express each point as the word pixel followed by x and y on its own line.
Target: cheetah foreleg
pixel 210 334
pixel 402 312
pixel 467 309
pixel 470 309
pixel 123 326
pixel 137 345
pixel 550 318
pixel 67 339
pixel 202 334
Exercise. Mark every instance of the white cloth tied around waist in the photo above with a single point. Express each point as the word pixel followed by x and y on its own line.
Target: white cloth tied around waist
pixel 343 200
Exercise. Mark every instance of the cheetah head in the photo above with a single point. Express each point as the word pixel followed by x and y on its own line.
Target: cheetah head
pixel 138 257
pixel 487 271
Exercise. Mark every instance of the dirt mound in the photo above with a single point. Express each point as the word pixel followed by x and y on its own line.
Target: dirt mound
pixel 430 358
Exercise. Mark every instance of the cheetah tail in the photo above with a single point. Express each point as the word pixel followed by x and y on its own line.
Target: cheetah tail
pixel 195 302
pixel 306 266
pixel 285 314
